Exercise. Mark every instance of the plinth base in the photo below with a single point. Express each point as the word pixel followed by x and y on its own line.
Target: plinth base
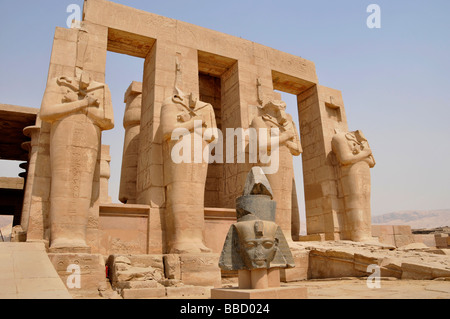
pixel 82 274
pixel 287 292
pixel 70 250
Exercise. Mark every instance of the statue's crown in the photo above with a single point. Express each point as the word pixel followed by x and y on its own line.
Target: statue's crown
pixel 256 201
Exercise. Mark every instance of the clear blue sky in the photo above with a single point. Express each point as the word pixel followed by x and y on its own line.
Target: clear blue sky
pixel 394 80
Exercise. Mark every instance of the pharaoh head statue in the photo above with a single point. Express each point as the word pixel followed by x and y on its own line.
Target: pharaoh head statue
pixel 255 241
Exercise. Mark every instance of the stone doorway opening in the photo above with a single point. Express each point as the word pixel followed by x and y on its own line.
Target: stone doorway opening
pixel 121 70
pixel 298 194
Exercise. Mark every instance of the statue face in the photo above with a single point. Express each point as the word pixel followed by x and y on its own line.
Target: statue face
pixel 257 243
pixel 277 109
pixel 258 252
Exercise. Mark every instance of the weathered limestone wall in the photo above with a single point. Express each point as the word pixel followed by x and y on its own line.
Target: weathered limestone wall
pixel 123 229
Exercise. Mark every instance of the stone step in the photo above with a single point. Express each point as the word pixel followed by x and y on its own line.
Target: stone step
pixel 27 273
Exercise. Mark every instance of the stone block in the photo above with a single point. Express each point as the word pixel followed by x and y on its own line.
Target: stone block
pixel 416 271
pixel 387 239
pixel 155 261
pixel 140 284
pixel 402 230
pixel 200 269
pixel 331 236
pixel 380 230
pixel 144 293
pixel 440 272
pixel 300 272
pixel 91 266
pixel 427 239
pixel 270 293
pixel 441 240
pixel 363 261
pixel 403 240
pixel 391 267
pixel 188 292
pixel 172 266
pixel 156 241
pixel 441 251
pixel 136 271
pixel 332 264
pixel 423 271
pixel 312 237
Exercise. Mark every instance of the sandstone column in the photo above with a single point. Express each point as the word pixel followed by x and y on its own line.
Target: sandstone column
pixel 132 125
pixel 105 174
pixel 275 117
pixel 321 111
pixel 355 157
pixel 33 133
pixel 74 50
pixel 185 180
pixel 78 110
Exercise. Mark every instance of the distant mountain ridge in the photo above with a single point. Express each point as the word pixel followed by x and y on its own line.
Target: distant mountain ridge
pixel 417 219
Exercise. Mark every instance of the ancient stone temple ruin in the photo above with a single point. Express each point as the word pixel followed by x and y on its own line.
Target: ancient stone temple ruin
pixel 170 228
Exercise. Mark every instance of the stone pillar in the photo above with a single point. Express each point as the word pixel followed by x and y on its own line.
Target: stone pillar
pixel 73 49
pixel 231 118
pixel 295 213
pixel 158 84
pixel 256 84
pixel 355 160
pixel 321 111
pixel 132 125
pixel 32 146
pixel 105 173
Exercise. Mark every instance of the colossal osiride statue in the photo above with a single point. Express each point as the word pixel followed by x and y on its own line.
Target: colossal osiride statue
pixel 184 121
pixel 274 116
pixel 78 109
pixel 255 245
pixel 355 160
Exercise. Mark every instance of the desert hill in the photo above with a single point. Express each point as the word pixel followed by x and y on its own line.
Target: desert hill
pixel 417 219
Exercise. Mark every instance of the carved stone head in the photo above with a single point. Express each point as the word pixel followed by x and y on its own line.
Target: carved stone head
pixel 257 243
pixel 277 109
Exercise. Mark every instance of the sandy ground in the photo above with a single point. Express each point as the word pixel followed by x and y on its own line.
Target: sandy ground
pixel 390 288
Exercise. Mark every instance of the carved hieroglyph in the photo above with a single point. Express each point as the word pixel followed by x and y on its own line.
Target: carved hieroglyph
pixel 274 116
pixel 185 180
pixel 255 245
pixel 78 110
pixel 355 158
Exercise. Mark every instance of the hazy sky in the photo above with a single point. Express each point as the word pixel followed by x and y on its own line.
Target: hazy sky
pixel 394 80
